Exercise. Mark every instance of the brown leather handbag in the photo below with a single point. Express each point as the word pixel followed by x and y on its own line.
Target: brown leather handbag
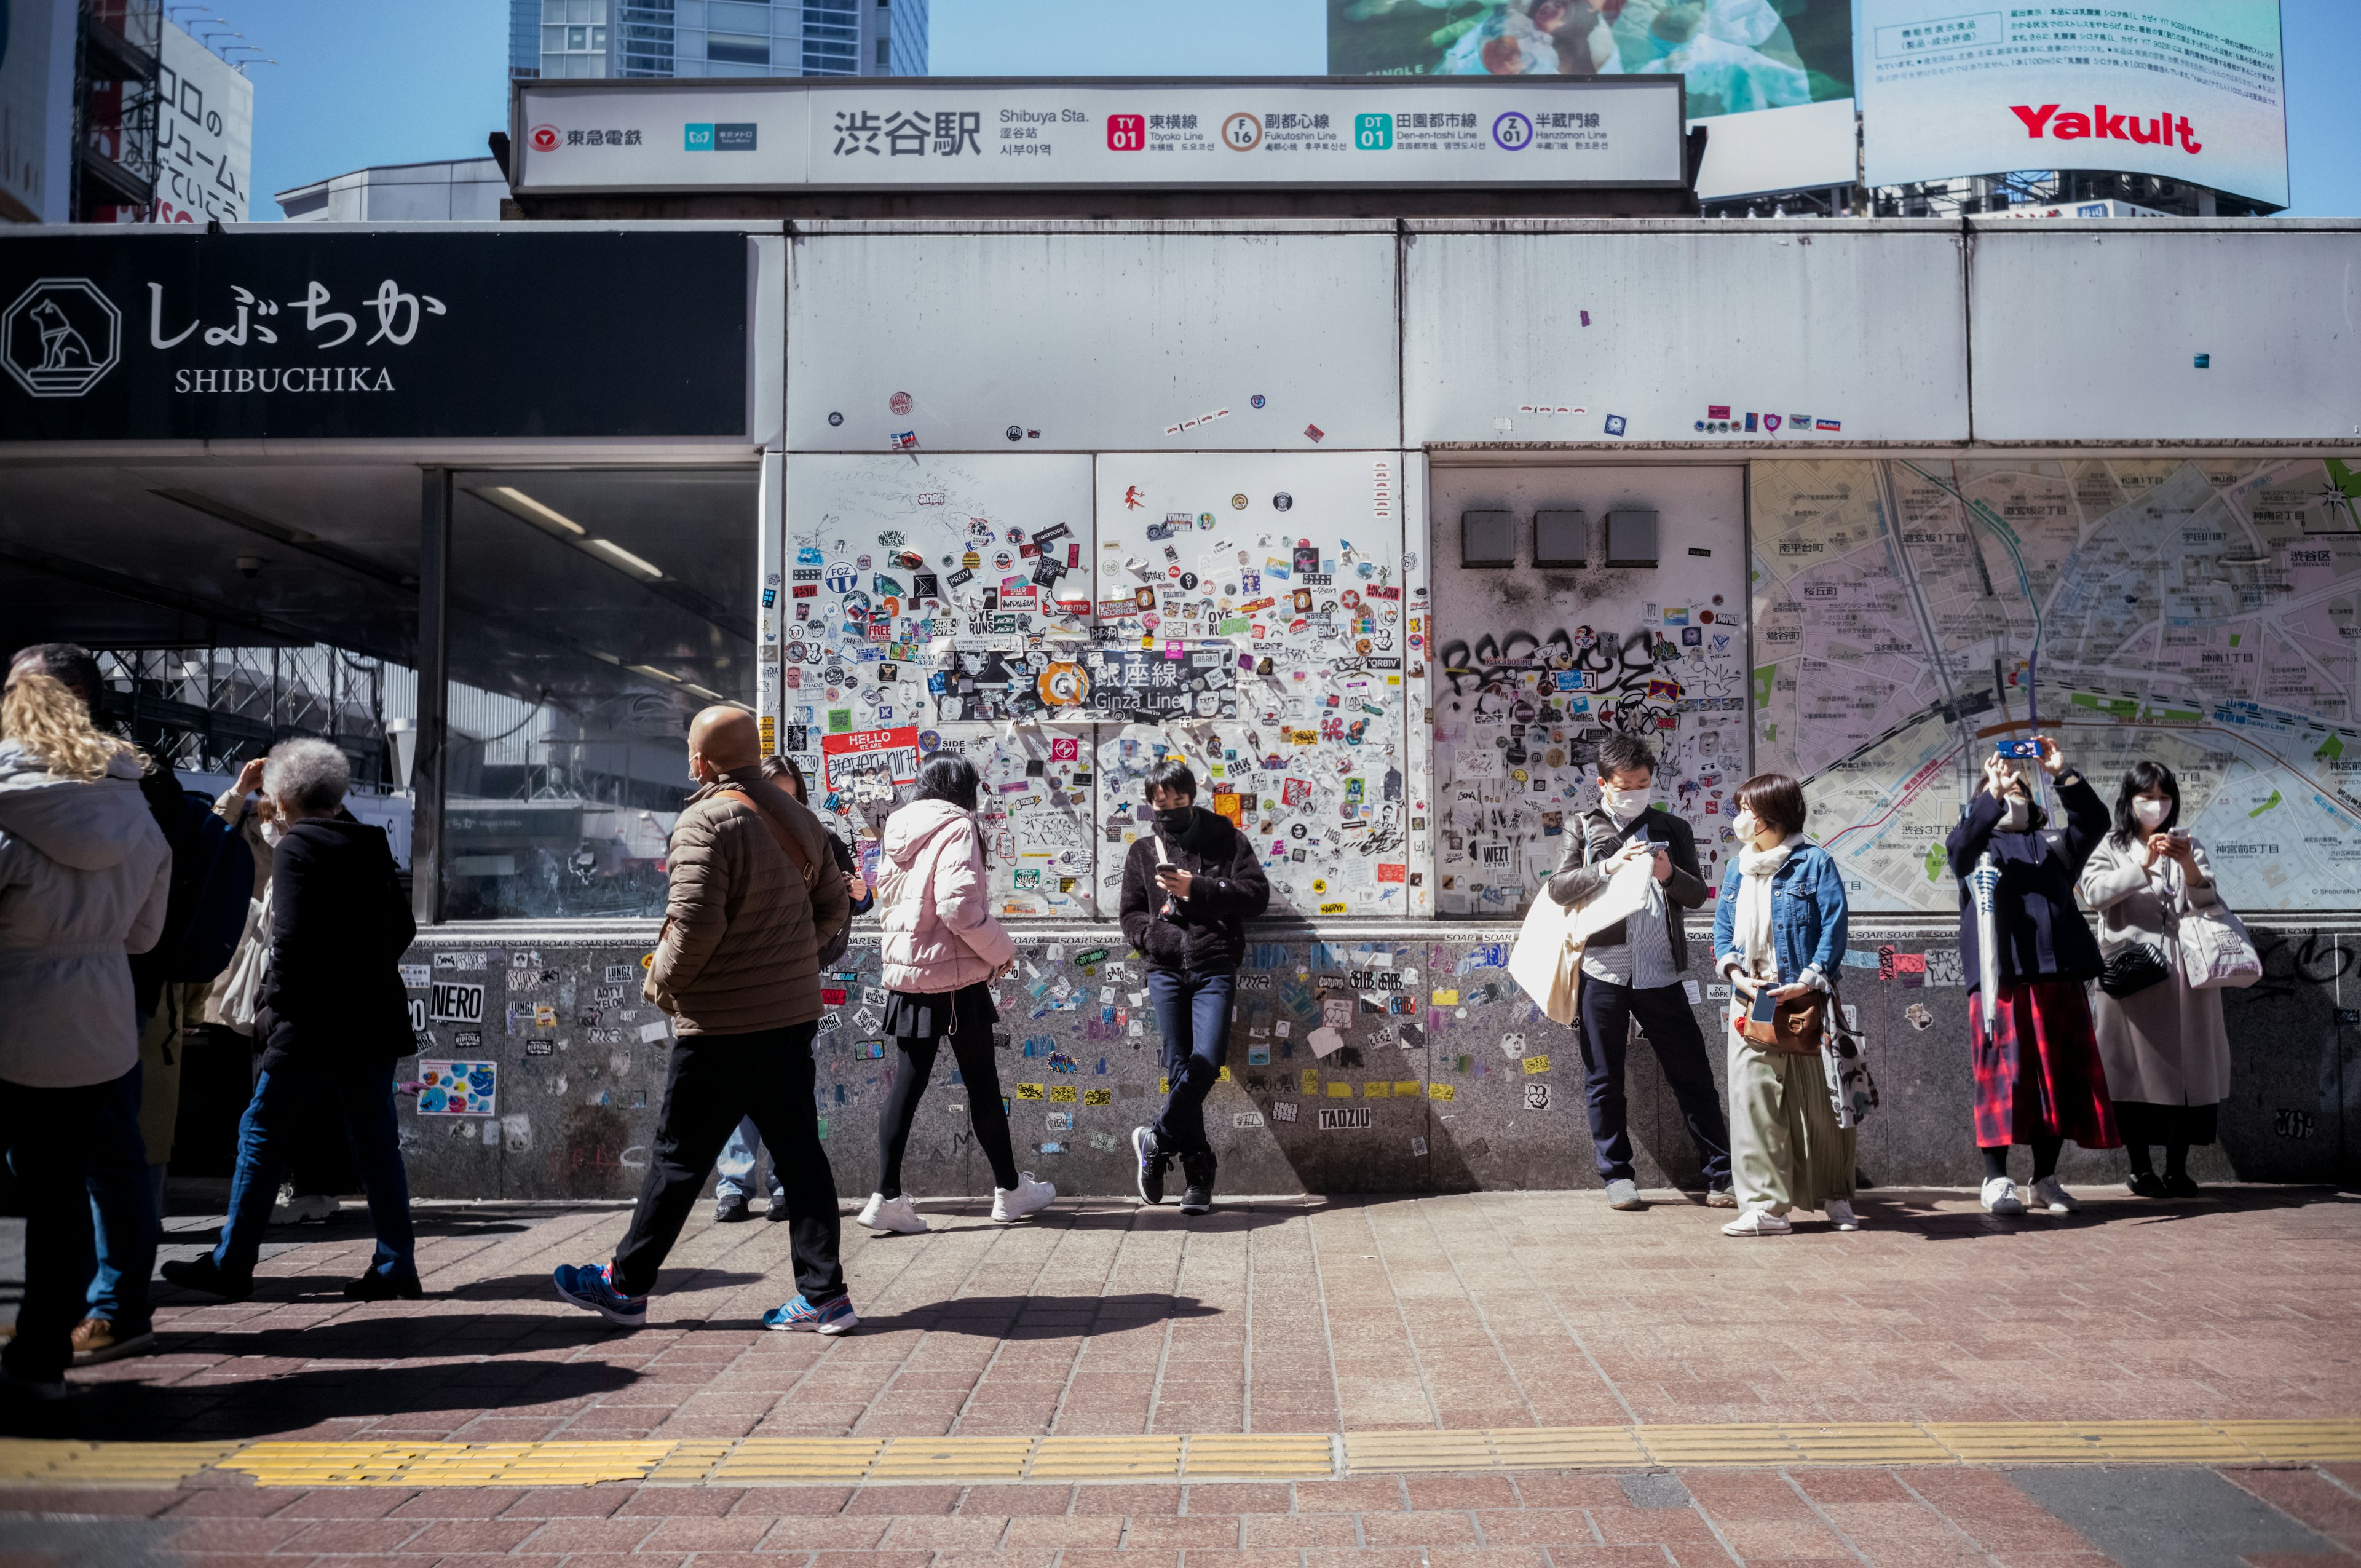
pixel 1793 1029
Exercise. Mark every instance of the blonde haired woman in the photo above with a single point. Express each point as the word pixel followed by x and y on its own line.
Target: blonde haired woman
pixel 84 874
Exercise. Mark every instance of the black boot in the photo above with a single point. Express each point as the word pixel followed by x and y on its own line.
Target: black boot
pixel 1199 1170
pixel 200 1273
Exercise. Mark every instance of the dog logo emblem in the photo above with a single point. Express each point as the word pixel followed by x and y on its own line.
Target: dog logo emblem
pixel 61 337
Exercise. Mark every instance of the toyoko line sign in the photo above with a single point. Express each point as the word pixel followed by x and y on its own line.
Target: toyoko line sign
pixel 942 134
pixel 2187 90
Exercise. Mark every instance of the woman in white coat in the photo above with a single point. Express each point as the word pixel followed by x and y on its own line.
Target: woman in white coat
pixel 84 874
pixel 2165 1052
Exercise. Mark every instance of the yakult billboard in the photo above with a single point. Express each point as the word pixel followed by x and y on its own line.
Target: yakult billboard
pixel 2187 90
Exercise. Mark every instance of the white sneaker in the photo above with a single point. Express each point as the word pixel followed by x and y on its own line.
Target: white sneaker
pixel 900 1215
pixel 2000 1197
pixel 1840 1214
pixel 292 1211
pixel 1623 1193
pixel 2055 1198
pixel 1721 1198
pixel 1757 1222
pixel 1015 1203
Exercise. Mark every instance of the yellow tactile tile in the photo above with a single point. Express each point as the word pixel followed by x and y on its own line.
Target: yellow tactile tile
pixel 759 1459
pixel 1279 1456
pixel 954 1459
pixel 1106 1458
pixel 26 1461
pixel 1273 1455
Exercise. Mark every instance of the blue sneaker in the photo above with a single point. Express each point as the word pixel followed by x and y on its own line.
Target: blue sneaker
pixel 1153 1163
pixel 800 1316
pixel 592 1286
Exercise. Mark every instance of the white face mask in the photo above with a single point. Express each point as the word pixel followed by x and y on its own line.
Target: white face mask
pixel 1624 805
pixel 272 832
pixel 2018 813
pixel 2150 812
pixel 1745 826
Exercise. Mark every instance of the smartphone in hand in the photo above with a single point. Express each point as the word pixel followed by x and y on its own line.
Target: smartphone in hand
pixel 1766 1006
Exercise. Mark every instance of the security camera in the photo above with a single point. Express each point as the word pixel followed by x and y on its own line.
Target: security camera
pixel 250 564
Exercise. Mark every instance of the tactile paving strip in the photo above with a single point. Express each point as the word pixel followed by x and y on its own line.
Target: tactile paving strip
pixel 1159 1456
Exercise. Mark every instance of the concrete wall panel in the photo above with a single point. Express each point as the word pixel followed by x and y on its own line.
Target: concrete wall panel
pixel 2091 331
pixel 1107 340
pixel 1656 328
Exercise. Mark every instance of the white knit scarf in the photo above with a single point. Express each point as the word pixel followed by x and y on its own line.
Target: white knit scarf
pixel 1752 925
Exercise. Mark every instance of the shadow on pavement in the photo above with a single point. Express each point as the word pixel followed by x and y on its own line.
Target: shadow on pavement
pixel 1038 1317
pixel 283 1402
pixel 1915 1212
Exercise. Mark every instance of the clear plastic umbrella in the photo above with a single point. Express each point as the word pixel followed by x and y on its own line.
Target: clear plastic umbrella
pixel 1985 883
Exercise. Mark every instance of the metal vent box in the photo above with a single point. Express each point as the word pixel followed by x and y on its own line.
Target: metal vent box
pixel 1632 538
pixel 1487 539
pixel 1561 538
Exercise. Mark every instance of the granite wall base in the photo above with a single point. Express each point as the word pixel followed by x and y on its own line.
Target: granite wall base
pixel 1442 1076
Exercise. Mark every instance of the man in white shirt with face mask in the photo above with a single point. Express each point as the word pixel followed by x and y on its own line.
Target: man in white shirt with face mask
pixel 1633 969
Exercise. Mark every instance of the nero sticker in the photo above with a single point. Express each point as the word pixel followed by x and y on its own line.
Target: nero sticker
pixel 452 1002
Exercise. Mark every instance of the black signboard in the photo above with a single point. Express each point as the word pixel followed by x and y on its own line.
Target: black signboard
pixel 175 334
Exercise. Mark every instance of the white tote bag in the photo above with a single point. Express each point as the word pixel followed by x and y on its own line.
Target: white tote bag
pixel 2215 951
pixel 1547 960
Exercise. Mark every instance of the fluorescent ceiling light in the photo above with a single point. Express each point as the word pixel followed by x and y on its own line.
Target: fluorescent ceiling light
pixel 651 670
pixel 525 507
pixel 624 558
pixel 704 691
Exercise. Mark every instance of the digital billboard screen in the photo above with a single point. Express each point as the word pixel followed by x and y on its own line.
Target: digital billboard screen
pixel 2186 90
pixel 1773 80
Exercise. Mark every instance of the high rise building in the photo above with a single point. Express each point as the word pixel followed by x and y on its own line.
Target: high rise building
pixel 717 38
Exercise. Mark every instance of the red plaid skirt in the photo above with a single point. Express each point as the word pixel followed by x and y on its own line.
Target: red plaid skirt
pixel 2040 1076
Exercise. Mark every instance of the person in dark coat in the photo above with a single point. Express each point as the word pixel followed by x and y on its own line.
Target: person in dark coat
pixel 1189 887
pixel 333 1019
pixel 2038 1078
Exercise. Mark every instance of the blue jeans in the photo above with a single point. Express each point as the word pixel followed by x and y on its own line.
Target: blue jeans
pixel 736 1163
pixel 1192 1015
pixel 359 1096
pixel 123 1209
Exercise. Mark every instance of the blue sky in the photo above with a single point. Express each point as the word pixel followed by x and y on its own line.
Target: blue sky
pixel 361 84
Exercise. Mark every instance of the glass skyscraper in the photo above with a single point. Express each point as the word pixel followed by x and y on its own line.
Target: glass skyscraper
pixel 717 38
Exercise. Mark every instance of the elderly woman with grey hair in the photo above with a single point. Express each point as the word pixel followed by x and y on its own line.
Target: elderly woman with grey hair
pixel 334 1018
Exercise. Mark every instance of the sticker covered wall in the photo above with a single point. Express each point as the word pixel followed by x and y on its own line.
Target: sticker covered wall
pixel 1572 603
pixel 942 604
pixel 1252 620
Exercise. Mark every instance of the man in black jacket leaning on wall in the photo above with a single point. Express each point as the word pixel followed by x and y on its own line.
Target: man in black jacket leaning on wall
pixel 1190 885
pixel 1634 968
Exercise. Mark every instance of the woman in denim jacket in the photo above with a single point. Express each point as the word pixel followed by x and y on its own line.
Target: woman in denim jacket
pixel 1780 925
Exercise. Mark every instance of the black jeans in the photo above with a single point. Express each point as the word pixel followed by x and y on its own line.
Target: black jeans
pixel 48 1134
pixel 1605 1028
pixel 715 1080
pixel 979 1074
pixel 1192 1014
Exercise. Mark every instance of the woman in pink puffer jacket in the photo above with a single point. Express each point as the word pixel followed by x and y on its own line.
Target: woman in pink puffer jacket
pixel 942 948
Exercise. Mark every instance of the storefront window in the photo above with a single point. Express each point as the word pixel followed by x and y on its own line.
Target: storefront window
pixel 593 613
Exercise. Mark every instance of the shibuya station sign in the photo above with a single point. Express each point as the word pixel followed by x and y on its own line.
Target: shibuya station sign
pixel 172 333
pixel 949 134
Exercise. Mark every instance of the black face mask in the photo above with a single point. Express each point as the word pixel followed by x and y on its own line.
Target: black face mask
pixel 1181 822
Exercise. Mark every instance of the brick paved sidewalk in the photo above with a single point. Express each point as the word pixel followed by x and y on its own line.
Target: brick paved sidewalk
pixel 2141 1517
pixel 1289 1315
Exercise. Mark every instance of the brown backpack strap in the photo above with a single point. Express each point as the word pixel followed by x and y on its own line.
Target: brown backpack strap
pixel 787 840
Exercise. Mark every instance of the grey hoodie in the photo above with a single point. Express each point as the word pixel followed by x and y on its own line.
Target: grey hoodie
pixel 85 874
